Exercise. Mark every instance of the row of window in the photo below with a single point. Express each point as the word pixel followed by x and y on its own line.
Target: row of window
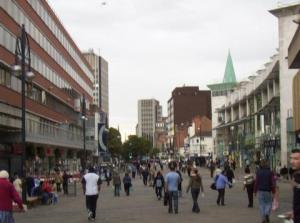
pixel 9 41
pixel 44 15
pixel 18 15
pixel 219 93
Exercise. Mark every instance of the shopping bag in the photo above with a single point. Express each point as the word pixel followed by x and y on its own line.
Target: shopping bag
pixel 213 186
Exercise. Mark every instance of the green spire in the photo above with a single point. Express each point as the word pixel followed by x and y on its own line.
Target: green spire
pixel 229 75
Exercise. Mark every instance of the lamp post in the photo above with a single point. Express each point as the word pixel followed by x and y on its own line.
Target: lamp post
pixel 199 132
pixel 84 118
pixel 22 55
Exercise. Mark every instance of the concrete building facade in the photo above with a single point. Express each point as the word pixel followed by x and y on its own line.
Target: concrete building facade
pixel 101 90
pixel 286 31
pixel 53 98
pixel 149 113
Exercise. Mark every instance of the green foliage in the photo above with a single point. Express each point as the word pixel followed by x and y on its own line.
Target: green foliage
pixel 154 152
pixel 114 142
pixel 135 147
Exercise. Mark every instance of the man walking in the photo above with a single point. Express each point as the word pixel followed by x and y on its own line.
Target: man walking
pixel 91 184
pixel 295 162
pixel 264 185
pixel 171 187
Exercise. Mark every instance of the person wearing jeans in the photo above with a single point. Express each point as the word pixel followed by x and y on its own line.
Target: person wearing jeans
pixel 171 187
pixel 264 185
pixel 195 184
pixel 117 183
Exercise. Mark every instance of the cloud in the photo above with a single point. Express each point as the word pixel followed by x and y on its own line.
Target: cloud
pixel 152 46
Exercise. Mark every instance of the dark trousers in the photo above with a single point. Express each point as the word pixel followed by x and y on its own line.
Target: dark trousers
pixel 145 180
pixel 221 196
pixel 91 204
pixel 127 189
pixel 58 188
pixel 133 175
pixel 195 195
pixel 65 187
pixel 250 194
pixel 173 197
pixel 158 191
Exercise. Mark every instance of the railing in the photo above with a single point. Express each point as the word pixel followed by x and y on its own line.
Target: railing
pixel 56 135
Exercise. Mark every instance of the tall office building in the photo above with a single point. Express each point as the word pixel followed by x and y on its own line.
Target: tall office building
pixel 183 106
pixel 101 91
pixel 53 98
pixel 149 113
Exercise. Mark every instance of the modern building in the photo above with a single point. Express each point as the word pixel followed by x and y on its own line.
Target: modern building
pixel 294 63
pixel 249 127
pixel 184 104
pixel 287 28
pixel 219 92
pixel 149 113
pixel 101 91
pixel 54 132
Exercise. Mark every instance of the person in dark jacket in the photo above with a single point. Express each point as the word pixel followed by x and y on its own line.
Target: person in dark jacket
pixel 195 184
pixel 295 162
pixel 264 186
pixel 127 183
pixel 158 184
pixel 65 182
pixel 230 175
pixel 180 183
pixel 145 174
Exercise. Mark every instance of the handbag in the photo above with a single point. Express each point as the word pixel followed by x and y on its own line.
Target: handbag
pixel 213 186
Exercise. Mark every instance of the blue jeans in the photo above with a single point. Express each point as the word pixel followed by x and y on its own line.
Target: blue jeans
pixel 117 189
pixel 265 203
pixel 173 196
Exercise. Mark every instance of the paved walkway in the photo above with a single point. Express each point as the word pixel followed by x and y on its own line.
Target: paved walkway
pixel 142 206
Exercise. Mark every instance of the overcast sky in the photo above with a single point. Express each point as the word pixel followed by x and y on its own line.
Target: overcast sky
pixel 153 46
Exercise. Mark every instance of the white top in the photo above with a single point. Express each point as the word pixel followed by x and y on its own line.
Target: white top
pixel 91 183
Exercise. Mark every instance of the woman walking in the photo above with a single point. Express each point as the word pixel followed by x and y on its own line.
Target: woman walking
pixel 8 194
pixel 249 186
pixel 127 183
pixel 221 183
pixel 195 184
pixel 158 184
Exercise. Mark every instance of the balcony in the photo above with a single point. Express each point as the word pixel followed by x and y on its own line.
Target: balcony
pixel 55 135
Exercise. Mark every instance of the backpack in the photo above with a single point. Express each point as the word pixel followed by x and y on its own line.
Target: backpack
pixel 158 183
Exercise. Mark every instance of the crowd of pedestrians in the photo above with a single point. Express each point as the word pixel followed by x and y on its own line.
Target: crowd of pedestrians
pixel 168 185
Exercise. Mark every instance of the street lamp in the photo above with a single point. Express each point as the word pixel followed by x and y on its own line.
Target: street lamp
pixel 22 52
pixel 84 118
pixel 199 132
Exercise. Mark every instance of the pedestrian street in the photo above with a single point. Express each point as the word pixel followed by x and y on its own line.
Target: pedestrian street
pixel 143 206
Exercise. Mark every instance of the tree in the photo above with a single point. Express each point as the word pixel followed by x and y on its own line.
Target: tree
pixel 135 147
pixel 154 152
pixel 114 142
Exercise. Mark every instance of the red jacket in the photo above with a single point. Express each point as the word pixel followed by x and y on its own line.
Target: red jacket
pixel 8 194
